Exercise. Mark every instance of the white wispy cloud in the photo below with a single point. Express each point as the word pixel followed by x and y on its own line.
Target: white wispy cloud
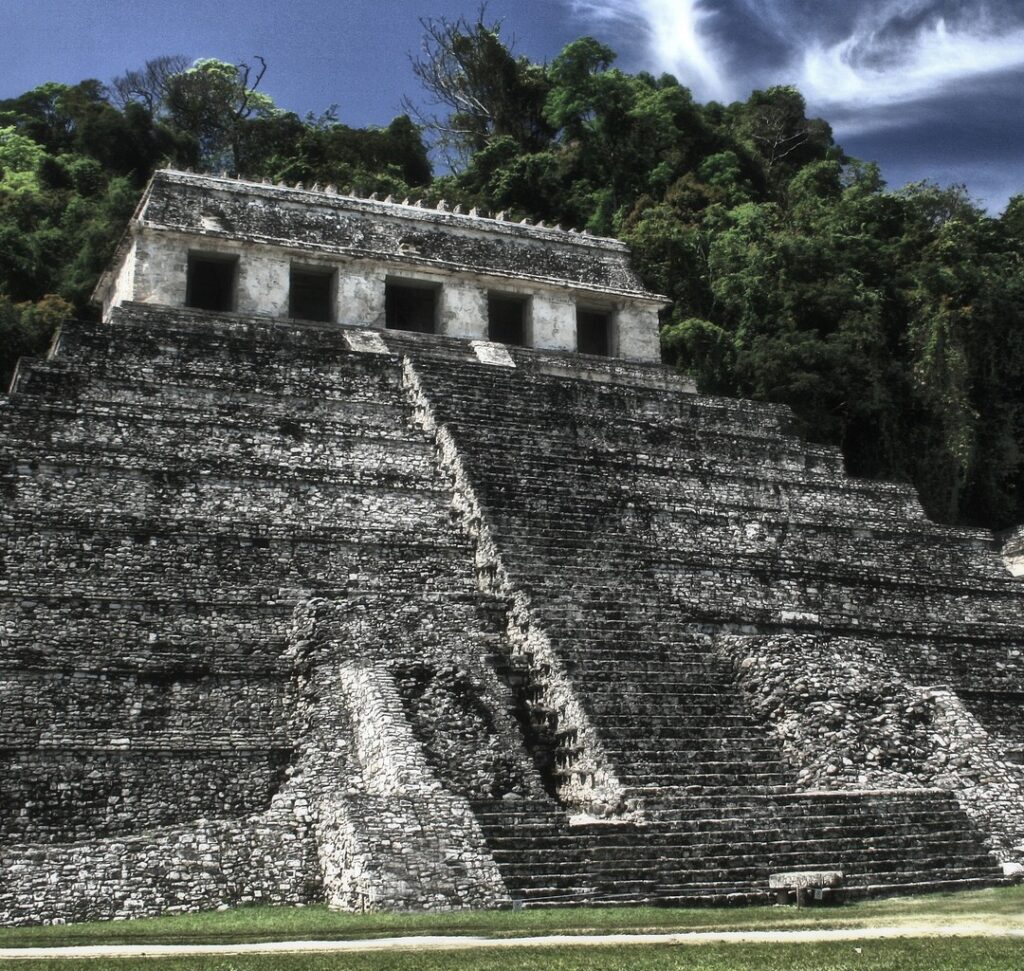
pixel 864 70
pixel 676 37
pixel 882 53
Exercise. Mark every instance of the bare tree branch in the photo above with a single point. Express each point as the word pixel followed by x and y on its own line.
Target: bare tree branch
pixel 247 89
pixel 148 85
pixel 470 74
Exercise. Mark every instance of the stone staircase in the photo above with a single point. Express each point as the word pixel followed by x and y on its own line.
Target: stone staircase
pixel 641 522
pixel 719 849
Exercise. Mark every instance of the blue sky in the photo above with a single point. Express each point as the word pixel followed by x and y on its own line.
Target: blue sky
pixel 928 88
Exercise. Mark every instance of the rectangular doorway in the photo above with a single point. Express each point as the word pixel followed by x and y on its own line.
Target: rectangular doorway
pixel 411 306
pixel 311 294
pixel 593 332
pixel 506 319
pixel 210 283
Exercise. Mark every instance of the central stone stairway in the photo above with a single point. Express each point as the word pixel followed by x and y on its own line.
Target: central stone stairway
pixel 639 522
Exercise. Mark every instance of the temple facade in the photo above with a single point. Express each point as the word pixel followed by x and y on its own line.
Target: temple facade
pixel 226 245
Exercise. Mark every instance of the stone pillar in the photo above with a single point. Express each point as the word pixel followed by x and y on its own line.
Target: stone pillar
pixel 635 333
pixel 390 836
pixel 554 322
pixel 462 311
pixel 262 283
pixel 360 296
pixel 1013 552
pixel 122 284
pixel 161 271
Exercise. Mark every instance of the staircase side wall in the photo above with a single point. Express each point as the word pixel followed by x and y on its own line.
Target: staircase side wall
pixel 390 834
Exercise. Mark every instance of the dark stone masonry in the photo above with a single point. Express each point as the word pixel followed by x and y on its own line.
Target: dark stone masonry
pixel 293 612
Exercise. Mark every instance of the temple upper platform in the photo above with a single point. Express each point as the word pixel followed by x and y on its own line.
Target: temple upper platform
pixel 227 245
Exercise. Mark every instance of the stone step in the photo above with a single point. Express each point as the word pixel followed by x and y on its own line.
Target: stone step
pixel 471 390
pixel 679 876
pixel 145 331
pixel 59 380
pixel 590 566
pixel 732 842
pixel 144 327
pixel 185 400
pixel 198 452
pixel 732 612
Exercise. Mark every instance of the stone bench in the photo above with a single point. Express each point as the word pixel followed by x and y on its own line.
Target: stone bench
pixel 820 886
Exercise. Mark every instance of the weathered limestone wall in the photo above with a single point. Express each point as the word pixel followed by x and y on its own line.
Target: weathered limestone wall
pixel 852 716
pixel 123 284
pixel 161 272
pixel 60 792
pixel 635 339
pixel 174 485
pixel 263 283
pixel 463 310
pixel 528 586
pixel 265 859
pixel 321 222
pixel 554 323
pixel 262 288
pixel 360 293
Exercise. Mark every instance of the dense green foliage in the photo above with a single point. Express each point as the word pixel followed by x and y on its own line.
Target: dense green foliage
pixel 890 321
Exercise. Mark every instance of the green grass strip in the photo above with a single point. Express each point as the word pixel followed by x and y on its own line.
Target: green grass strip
pixel 930 954
pixel 1002 907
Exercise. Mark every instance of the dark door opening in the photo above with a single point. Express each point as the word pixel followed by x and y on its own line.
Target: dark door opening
pixel 311 294
pixel 410 307
pixel 593 333
pixel 506 320
pixel 211 283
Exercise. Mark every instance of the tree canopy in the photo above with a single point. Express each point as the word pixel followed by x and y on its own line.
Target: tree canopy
pixel 890 321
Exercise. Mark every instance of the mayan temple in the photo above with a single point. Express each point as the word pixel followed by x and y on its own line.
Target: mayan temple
pixel 366 553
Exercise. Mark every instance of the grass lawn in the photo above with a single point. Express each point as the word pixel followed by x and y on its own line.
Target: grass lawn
pixel 966 954
pixel 1003 907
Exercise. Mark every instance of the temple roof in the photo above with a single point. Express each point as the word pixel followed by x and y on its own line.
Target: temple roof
pixel 409 233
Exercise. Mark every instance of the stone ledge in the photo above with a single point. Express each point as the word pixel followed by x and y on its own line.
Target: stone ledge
pixel 805 879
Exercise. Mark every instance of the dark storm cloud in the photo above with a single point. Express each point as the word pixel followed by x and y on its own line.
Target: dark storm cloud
pixel 748 36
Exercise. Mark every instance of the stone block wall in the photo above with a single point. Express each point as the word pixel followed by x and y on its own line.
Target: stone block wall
pixel 264 859
pixel 64 792
pixel 1013 552
pixel 318 222
pixel 854 717
pixel 394 828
